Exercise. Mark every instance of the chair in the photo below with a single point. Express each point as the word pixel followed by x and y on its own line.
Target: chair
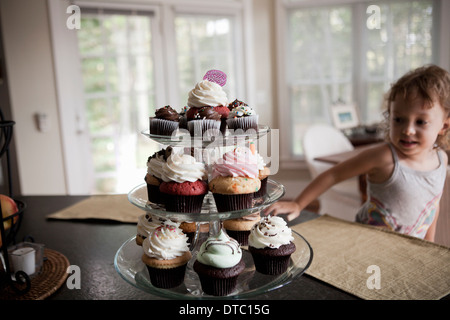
pixel 344 199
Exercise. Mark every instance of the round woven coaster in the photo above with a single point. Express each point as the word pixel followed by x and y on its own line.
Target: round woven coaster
pixel 53 274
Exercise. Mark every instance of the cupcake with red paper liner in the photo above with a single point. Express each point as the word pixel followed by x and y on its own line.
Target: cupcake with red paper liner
pixel 166 254
pixel 218 264
pixel 234 180
pixel 153 177
pixel 242 117
pixel 184 183
pixel 271 244
pixel 165 121
pixel 147 223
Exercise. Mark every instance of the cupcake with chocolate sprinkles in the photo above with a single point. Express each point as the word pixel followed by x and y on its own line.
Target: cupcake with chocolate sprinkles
pixel 271 244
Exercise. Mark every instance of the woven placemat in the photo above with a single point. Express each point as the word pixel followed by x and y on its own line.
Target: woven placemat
pixel 376 264
pixel 107 207
pixel 50 279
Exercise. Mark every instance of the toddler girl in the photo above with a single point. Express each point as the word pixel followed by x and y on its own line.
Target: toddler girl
pixel 406 174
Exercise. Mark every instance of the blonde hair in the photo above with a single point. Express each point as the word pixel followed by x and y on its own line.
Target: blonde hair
pixel 432 84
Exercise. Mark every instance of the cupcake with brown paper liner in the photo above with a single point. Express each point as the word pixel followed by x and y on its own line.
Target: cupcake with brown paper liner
pixel 209 93
pixel 271 244
pixel 153 178
pixel 184 183
pixel 205 123
pixel 166 254
pixel 239 228
pixel 234 180
pixel 218 264
pixel 242 118
pixel 165 122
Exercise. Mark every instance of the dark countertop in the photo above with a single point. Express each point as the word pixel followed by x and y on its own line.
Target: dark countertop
pixel 92 245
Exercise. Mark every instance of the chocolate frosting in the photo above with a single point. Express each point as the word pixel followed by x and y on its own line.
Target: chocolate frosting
pixel 207 113
pixel 167 113
pixel 236 103
pixel 163 152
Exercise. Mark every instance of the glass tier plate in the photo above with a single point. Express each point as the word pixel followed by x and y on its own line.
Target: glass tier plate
pixel 183 138
pixel 138 197
pixel 129 265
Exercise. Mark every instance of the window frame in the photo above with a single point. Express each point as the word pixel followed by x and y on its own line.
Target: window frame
pixel 441 56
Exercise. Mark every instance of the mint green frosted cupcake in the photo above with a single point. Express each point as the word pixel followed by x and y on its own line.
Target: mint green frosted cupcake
pixel 218 265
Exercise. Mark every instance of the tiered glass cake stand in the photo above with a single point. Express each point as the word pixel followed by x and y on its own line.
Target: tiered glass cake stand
pixel 128 261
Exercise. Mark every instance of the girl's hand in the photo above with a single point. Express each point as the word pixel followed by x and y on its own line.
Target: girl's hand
pixel 291 208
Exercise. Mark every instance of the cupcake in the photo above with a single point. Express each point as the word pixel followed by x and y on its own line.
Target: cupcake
pixel 154 172
pixel 183 118
pixel 236 103
pixel 234 180
pixel 271 244
pixel 205 122
pixel 184 183
pixel 239 229
pixel 165 121
pixel 147 223
pixel 208 93
pixel 166 254
pixel 218 264
pixel 224 112
pixel 242 117
pixel 263 176
pixel 190 228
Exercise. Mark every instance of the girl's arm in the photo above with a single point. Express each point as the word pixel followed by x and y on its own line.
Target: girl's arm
pixel 369 161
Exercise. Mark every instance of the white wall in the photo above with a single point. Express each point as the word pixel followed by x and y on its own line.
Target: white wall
pixel 28 56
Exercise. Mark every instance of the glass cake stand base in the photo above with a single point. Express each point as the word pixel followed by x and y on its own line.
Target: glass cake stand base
pixel 130 267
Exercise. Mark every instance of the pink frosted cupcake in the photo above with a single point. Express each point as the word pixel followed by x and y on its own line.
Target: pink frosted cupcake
pixel 234 180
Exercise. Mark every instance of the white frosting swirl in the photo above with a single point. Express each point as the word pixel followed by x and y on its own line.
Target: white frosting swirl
pixel 270 232
pixel 148 223
pixel 207 93
pixel 241 111
pixel 260 162
pixel 155 165
pixel 165 243
pixel 183 167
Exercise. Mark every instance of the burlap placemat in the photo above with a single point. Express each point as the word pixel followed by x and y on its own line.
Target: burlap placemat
pixel 106 207
pixel 375 264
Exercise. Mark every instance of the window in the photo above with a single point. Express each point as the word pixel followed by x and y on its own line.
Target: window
pixel 203 41
pixel 133 61
pixel 116 54
pixel 331 53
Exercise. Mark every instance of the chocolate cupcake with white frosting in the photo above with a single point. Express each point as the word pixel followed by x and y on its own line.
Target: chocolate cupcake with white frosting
pixel 219 263
pixel 271 244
